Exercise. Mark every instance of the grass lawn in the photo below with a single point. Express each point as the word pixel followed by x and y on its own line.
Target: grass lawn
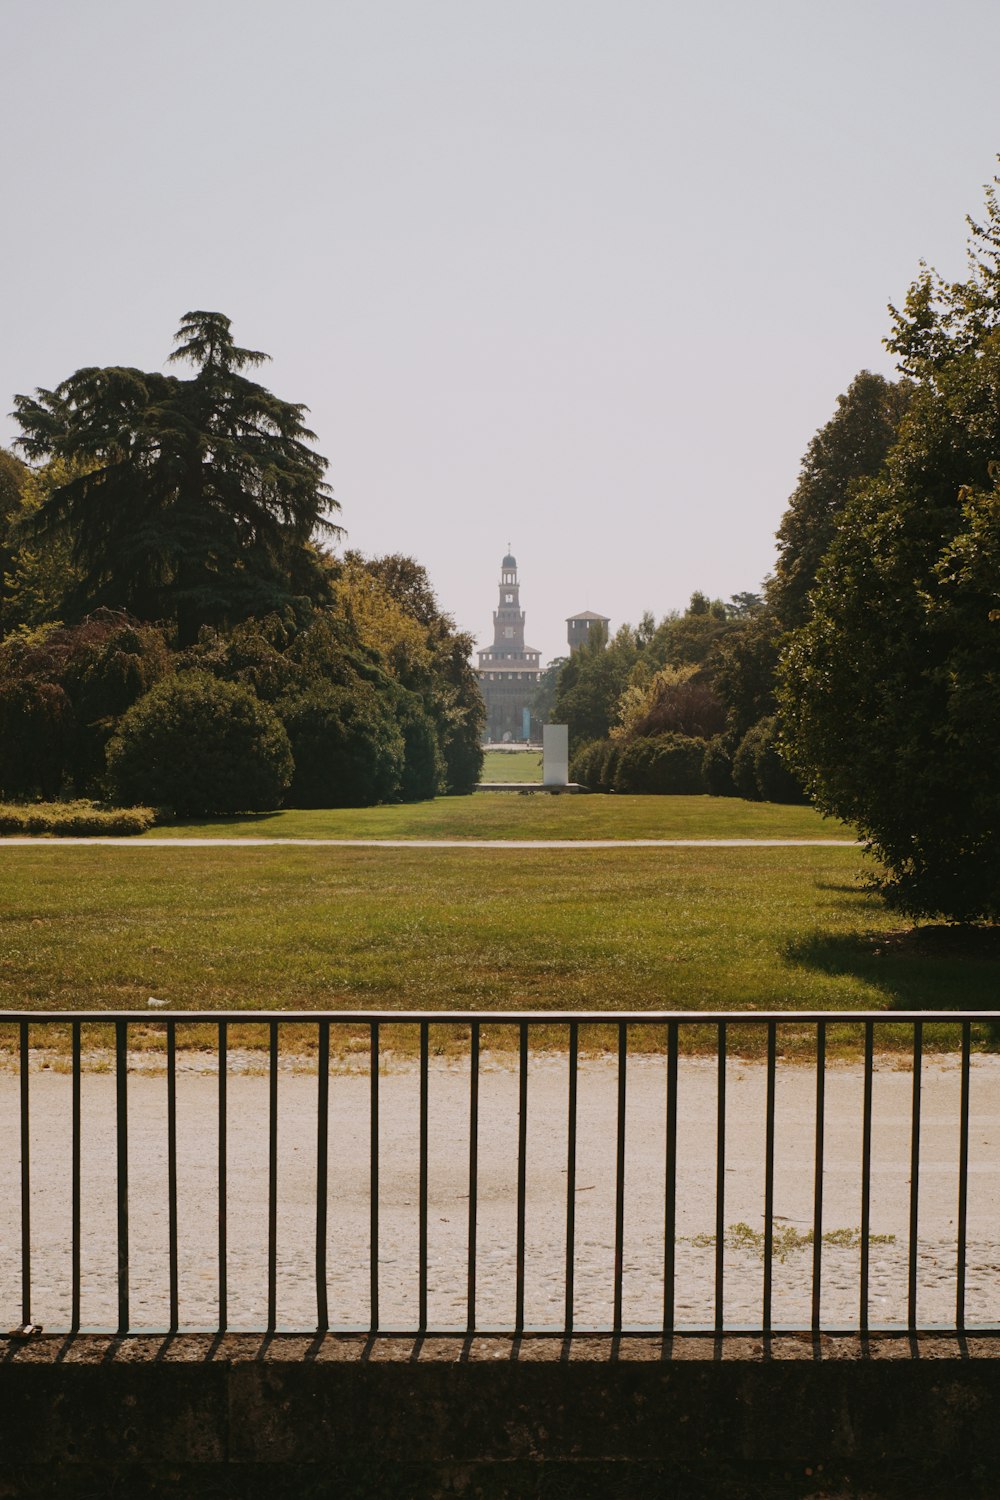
pixel 462 929
pixel 535 815
pixel 512 765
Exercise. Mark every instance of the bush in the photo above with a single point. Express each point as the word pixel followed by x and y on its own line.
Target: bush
pixel 37 727
pixel 423 764
pixel 661 764
pixel 717 769
pixel 759 772
pixel 585 764
pixel 74 819
pixel 62 690
pixel 347 747
pixel 200 746
pixel 594 765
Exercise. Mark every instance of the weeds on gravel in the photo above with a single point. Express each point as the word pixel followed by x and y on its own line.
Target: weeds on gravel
pixel 786 1239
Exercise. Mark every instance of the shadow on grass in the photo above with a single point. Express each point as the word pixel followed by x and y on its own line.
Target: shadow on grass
pixel 917 968
pixel 223 820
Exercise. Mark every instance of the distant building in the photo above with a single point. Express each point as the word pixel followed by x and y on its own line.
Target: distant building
pixel 579 627
pixel 508 669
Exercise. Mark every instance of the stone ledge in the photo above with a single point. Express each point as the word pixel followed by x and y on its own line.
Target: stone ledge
pixel 243 1415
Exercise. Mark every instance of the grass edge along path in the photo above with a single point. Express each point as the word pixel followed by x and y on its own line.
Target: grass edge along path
pixel 370 929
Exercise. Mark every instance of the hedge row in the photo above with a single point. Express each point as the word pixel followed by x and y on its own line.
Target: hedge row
pixel 681 765
pixel 74 819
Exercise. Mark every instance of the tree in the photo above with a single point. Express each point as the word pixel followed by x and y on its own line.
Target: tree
pixel 199 497
pixel 392 604
pixel 851 448
pixel 592 682
pixel 890 692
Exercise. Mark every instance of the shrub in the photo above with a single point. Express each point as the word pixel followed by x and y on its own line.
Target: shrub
pixel 200 746
pixel 594 765
pixel 585 764
pixel 37 726
pixel 717 769
pixel 759 772
pixel 348 749
pixel 74 819
pixel 423 763
pixel 662 764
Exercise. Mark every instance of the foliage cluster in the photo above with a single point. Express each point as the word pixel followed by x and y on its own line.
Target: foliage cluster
pixel 890 684
pixel 657 709
pixel 82 819
pixel 171 630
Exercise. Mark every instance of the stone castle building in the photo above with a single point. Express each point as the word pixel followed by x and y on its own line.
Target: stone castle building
pixel 579 628
pixel 508 669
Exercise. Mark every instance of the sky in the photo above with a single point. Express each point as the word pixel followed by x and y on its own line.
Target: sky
pixel 578 276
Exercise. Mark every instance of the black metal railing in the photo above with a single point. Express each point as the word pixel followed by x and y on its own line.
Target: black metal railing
pixel 718 1047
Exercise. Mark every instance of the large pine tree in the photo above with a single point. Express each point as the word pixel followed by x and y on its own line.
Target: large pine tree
pixel 201 497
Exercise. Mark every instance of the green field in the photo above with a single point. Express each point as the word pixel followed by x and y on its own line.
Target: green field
pixel 512 765
pixel 460 929
pixel 533 815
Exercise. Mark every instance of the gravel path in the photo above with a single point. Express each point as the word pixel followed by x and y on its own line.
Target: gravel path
pixel 348 1238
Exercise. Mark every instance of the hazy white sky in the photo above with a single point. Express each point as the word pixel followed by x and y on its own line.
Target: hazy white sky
pixel 580 275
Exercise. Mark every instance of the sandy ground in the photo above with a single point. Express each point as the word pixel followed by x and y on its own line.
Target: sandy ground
pixel 349 1202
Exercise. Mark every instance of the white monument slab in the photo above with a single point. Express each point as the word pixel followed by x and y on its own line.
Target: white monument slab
pixel 555 754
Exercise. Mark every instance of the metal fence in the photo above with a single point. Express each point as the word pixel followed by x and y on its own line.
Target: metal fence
pixel 685 1114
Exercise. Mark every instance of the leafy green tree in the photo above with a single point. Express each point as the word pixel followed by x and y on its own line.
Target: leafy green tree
pixel 891 690
pixel 592 682
pixel 435 663
pixel 688 639
pixel 850 449
pixel 199 497
pixel 544 702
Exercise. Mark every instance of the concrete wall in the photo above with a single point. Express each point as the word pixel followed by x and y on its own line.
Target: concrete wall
pixel 241 1416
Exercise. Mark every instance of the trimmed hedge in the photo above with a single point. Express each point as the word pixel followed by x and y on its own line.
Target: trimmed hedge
pixel 74 819
pixel 661 765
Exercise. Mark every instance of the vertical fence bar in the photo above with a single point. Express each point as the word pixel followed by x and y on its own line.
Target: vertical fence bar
pixel 25 1179
pixel 74 1320
pixel 522 1165
pixel 918 1042
pixel 772 1049
pixel 223 1185
pixel 817 1266
pixel 670 1188
pixel 272 1181
pixel 620 1177
pixel 172 1174
pixel 424 1049
pixel 373 1181
pixel 322 1172
pixel 720 1184
pixel 571 1120
pixel 473 1176
pixel 963 1179
pixel 866 1176
pixel 121 1125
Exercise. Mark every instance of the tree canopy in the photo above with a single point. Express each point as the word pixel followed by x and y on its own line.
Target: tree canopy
pixel 193 500
pixel 891 689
